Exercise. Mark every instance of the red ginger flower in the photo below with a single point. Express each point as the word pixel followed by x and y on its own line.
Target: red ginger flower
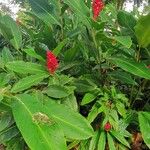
pixel 97 7
pixel 107 127
pixel 148 66
pixel 52 62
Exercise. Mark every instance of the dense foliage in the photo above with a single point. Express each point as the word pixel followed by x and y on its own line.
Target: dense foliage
pixel 74 75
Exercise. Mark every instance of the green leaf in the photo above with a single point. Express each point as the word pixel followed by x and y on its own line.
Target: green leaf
pixel 133 67
pixel 111 143
pixel 27 82
pixel 142 31
pixel 38 130
pixel 144 121
pixel 126 19
pixel 121 109
pixel 4 79
pixel 44 11
pixel 120 138
pixel 31 52
pixel 71 102
pixel 80 9
pixel 72 123
pixel 124 40
pixel 123 77
pixel 94 112
pixel 57 91
pixel 88 97
pixel 10 31
pixel 16 143
pixel 70 54
pixel 25 67
pixel 102 141
pixel 84 86
pixel 6 55
pixel 94 141
pixel 5 120
pixel 4 107
pixel 8 134
pixel 58 49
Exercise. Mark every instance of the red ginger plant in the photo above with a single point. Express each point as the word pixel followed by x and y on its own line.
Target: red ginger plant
pixel 97 7
pixel 51 62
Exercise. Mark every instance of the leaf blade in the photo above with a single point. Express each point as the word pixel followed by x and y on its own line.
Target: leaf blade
pixel 41 131
pixel 138 69
pixel 27 82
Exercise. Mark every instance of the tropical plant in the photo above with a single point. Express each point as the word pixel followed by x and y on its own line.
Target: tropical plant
pixel 74 76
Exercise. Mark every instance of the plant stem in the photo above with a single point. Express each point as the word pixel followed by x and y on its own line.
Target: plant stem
pixel 132 89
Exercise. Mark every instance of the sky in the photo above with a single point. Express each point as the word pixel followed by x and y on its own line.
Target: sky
pixel 14 8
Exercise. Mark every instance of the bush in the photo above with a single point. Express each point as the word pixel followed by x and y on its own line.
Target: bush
pixel 71 79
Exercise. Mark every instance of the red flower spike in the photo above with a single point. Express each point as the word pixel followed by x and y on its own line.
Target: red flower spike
pixel 97 7
pixel 51 62
pixel 107 127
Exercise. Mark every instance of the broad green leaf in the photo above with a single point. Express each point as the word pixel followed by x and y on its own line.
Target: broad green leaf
pixel 10 31
pixel 142 31
pixel 126 19
pixel 88 97
pixel 31 52
pixel 38 130
pixel 94 141
pixel 27 82
pixel 25 67
pixel 102 141
pixel 111 142
pixel 57 91
pixel 44 11
pixel 132 66
pixel 72 123
pixel 123 77
pixel 120 138
pixel 58 49
pixel 6 55
pixel 124 40
pixel 144 121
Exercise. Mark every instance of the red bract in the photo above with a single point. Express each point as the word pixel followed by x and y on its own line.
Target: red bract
pixel 148 66
pixel 97 7
pixel 107 127
pixel 52 62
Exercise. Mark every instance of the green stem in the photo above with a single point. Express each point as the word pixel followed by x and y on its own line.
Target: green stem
pixel 98 57
pixel 132 89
